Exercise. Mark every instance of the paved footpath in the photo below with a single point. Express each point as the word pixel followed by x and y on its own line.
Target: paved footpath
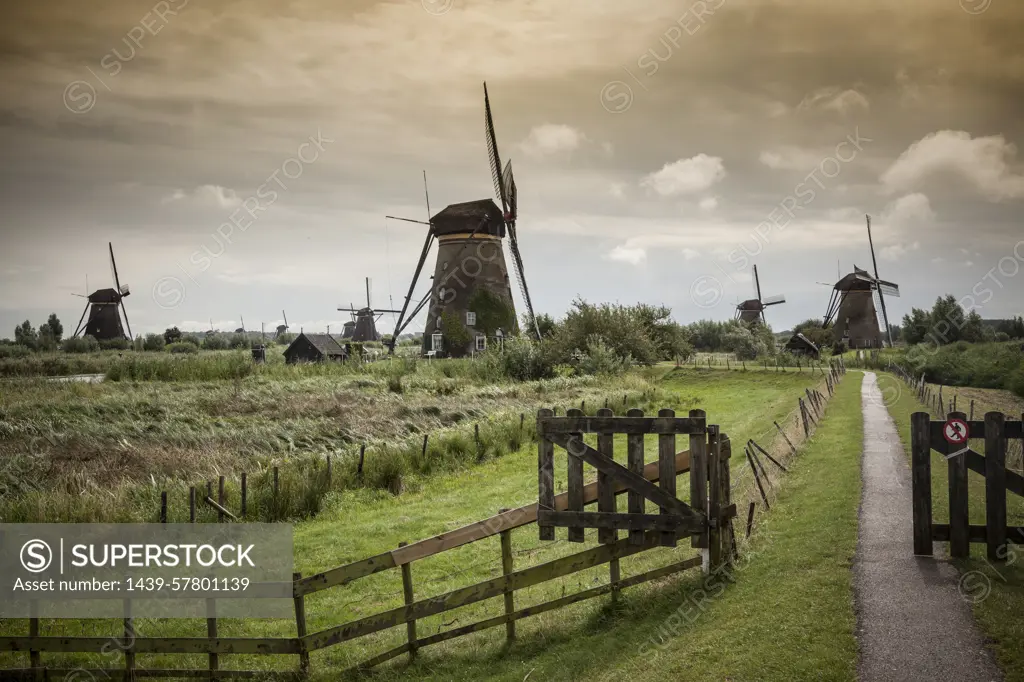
pixel 912 624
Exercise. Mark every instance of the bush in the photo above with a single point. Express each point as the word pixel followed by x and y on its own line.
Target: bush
pixel 215 342
pixel 191 338
pixel 1016 383
pixel 154 342
pixel 115 344
pixel 1002 337
pixel 599 358
pixel 14 350
pixel 520 360
pixel 239 342
pixel 182 347
pixel 81 344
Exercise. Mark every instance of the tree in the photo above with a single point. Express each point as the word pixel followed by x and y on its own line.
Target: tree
pixel 546 324
pixel 812 328
pixel 172 335
pixel 25 334
pixel 916 326
pixel 56 328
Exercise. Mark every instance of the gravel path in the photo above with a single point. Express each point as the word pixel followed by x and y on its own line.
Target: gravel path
pixel 912 624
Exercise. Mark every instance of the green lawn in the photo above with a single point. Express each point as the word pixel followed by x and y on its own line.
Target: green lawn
pixel 999 613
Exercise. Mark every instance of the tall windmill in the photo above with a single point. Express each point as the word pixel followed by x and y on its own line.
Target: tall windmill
pixel 752 310
pixel 104 321
pixel 365 327
pixel 471 287
pixel 852 306
pixel 282 328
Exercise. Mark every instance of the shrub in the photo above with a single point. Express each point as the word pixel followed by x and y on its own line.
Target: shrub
pixel 191 338
pixel 115 344
pixel 385 469
pixel 1002 337
pixel 239 341
pixel 81 344
pixel 14 350
pixel 154 342
pixel 215 342
pixel 182 347
pixel 1016 382
pixel 520 360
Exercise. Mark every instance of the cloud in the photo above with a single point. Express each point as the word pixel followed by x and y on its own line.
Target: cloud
pixel 938 260
pixel 909 210
pixel 708 203
pixel 897 251
pixel 549 138
pixel 617 190
pixel 627 254
pixel 686 176
pixel 834 99
pixel 790 158
pixel 984 162
pixel 690 254
pixel 206 195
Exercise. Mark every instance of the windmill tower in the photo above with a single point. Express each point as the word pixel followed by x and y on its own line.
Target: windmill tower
pixel 364 327
pixel 471 294
pixel 751 311
pixel 852 306
pixel 104 321
pixel 282 328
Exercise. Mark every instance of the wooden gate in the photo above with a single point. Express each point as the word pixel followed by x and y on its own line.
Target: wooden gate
pixel 951 438
pixel 705 519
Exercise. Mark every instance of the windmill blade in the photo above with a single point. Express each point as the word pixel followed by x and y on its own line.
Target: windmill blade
pixel 774 300
pixel 113 268
pixel 492 153
pixel 757 285
pixel 78 327
pixel 126 322
pixel 888 288
pixel 285 319
pixel 508 182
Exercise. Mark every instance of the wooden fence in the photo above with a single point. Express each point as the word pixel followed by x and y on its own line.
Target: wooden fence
pixel 928 435
pixel 513 579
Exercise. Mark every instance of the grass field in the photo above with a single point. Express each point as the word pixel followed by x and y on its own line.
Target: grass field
pixel 818 498
pixel 996 590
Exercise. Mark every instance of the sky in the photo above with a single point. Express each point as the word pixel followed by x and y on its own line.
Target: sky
pixel 242 156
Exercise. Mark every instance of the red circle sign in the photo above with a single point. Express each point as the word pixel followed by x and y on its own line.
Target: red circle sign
pixel 956 431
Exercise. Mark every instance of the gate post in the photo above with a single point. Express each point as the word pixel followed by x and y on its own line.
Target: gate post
pixel 959 511
pixel 699 478
pixel 995 485
pixel 921 481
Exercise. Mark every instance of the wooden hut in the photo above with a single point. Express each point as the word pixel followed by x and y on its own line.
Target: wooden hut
pixel 799 344
pixel 314 348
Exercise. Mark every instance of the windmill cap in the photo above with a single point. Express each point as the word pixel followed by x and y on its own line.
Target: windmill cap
pixel 466 217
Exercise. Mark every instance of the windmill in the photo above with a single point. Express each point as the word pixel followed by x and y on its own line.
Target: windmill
pixel 852 306
pixel 282 328
pixel 752 310
pixel 241 330
pixel 364 327
pixel 104 321
pixel 471 285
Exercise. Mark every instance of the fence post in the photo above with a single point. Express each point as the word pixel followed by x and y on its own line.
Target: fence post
pixel 959 513
pixel 220 499
pixel 921 478
pixel 245 494
pixel 330 471
pixel 971 418
pixel 300 628
pixel 163 507
pixel 783 433
pixel 410 626
pixel 635 463
pixel 192 504
pixel 699 478
pixel 506 570
pixel 277 487
pixel 750 517
pixel 34 657
pixel 667 471
pixel 803 416
pixel 129 638
pixel 728 541
pixel 362 459
pixel 545 475
pixel 606 500
pixel 211 631
pixel 574 482
pixel 715 498
pixel 995 485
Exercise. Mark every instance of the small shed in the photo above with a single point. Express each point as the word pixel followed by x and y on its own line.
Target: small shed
pixel 314 348
pixel 799 344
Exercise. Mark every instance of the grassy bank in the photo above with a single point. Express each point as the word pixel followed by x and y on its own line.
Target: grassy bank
pixel 1000 587
pixel 354 524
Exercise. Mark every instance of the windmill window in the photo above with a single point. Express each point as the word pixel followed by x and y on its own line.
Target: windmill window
pixel 481 342
pixel 436 341
pixel 471 318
